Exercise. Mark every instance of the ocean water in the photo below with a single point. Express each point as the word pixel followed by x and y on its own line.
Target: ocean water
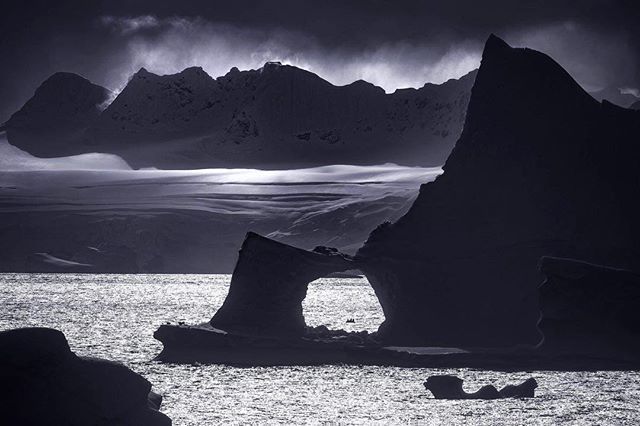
pixel 114 316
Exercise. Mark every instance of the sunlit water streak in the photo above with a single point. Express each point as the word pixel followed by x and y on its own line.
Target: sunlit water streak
pixel 114 316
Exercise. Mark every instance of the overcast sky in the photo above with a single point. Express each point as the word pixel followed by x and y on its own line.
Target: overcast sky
pixel 391 43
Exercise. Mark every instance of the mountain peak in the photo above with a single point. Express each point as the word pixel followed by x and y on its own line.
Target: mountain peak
pixel 272 64
pixel 63 89
pixel 495 44
pixel 195 70
pixel 235 112
pixel 365 85
pixel 65 76
pixel 272 67
pixel 141 74
pixel 64 104
pixel 535 79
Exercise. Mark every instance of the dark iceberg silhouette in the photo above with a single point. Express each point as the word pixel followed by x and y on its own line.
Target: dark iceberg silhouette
pixel 450 387
pixel 635 106
pixel 261 323
pixel 272 304
pixel 43 382
pixel 276 116
pixel 541 168
pixel 589 309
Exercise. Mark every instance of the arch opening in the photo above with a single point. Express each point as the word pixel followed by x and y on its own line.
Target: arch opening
pixel 336 299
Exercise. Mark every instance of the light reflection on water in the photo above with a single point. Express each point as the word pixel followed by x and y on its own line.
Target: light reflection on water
pixel 114 316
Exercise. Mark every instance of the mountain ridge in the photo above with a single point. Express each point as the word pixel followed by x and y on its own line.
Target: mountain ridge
pixel 277 114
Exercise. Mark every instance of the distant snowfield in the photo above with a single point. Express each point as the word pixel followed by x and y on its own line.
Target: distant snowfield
pixel 105 182
pixel 54 210
pixel 15 159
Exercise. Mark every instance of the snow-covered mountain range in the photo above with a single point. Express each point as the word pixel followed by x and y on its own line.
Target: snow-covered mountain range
pixel 277 116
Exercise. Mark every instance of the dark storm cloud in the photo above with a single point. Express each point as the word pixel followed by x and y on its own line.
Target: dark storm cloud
pixel 390 43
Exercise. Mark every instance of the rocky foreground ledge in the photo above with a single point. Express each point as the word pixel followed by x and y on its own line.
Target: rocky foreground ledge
pixel 44 383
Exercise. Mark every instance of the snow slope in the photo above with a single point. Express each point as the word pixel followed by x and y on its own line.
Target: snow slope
pixel 185 220
pixel 15 159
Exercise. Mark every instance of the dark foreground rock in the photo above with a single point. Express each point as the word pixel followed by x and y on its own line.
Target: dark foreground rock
pixel 44 383
pixel 541 168
pixel 269 284
pixel 589 309
pixel 450 387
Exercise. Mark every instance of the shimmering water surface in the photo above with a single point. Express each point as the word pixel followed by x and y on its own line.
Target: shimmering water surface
pixel 114 316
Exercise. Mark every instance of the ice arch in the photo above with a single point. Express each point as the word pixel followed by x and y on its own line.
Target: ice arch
pixel 270 282
pixel 334 300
